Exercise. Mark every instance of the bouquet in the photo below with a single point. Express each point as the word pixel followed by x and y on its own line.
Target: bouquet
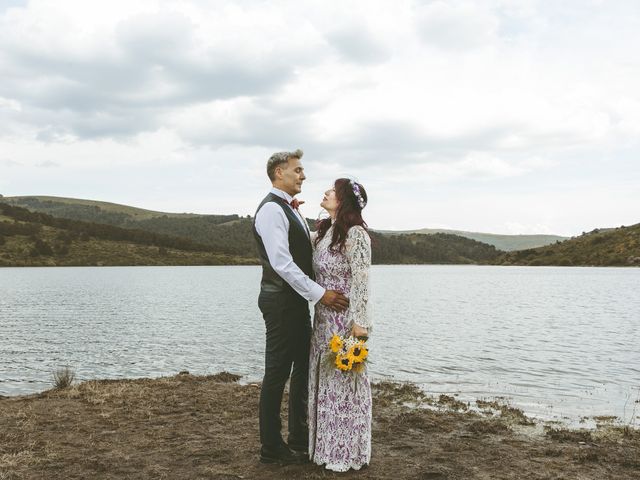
pixel 350 352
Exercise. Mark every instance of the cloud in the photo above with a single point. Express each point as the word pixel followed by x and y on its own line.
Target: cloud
pixel 48 164
pixel 359 45
pixel 456 25
pixel 9 104
pixel 124 78
pixel 7 162
pixel 491 93
pixel 8 4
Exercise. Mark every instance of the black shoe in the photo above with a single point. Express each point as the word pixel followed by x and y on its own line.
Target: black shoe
pixel 299 449
pixel 281 455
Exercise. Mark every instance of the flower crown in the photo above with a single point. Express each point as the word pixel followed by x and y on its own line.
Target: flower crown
pixel 356 191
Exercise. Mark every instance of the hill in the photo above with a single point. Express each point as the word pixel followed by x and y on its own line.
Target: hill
pixel 439 248
pixel 222 231
pixel 607 247
pixel 37 239
pixel 507 243
pixel 61 207
pixel 232 234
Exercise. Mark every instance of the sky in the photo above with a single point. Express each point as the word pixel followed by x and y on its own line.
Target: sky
pixel 499 116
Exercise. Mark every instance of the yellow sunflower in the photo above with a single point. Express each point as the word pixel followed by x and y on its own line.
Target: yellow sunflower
pixel 335 344
pixel 358 352
pixel 343 363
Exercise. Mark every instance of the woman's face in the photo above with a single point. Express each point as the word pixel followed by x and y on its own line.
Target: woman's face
pixel 330 201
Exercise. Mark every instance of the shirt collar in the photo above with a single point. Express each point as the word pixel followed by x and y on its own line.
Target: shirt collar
pixel 282 194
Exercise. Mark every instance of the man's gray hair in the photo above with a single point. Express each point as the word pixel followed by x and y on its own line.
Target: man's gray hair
pixel 278 159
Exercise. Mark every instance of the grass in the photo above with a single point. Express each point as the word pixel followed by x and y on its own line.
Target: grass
pixel 506 411
pixel 189 427
pixel 63 378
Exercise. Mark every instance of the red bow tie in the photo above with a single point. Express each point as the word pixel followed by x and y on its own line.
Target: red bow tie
pixel 294 203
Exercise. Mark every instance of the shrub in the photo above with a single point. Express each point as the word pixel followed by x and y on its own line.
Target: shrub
pixel 62 249
pixel 40 247
pixel 63 377
pixel 64 237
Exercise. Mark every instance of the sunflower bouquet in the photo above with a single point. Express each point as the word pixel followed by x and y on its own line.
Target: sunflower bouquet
pixel 350 352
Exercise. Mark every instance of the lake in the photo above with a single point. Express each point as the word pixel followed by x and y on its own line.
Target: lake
pixel 558 342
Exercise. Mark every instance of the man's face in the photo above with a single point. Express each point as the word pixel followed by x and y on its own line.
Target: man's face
pixel 290 176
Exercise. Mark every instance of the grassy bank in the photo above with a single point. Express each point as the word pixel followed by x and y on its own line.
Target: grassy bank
pixel 188 427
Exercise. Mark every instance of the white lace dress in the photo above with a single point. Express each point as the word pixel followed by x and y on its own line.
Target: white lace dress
pixel 340 402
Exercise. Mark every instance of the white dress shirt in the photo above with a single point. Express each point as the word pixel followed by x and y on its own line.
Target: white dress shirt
pixel 273 227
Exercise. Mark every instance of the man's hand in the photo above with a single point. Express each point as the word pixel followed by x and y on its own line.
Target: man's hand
pixel 335 300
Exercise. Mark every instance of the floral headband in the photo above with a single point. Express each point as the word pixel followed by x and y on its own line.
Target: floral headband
pixel 356 191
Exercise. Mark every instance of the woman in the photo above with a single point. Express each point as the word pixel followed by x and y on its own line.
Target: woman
pixel 340 402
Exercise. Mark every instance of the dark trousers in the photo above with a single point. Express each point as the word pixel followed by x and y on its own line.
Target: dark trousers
pixel 288 332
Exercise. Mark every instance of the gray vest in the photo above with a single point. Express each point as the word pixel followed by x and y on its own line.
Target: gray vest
pixel 299 247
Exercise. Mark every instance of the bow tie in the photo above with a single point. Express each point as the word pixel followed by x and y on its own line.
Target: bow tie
pixel 294 203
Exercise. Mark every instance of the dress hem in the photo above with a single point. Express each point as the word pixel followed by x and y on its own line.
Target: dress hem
pixel 335 467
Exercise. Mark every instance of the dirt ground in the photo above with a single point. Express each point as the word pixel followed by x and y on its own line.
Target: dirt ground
pixel 188 427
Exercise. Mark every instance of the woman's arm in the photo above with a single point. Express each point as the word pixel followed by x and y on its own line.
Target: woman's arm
pixel 358 253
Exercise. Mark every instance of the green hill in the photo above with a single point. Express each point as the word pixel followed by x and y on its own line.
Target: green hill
pixel 440 248
pixel 81 209
pixel 222 232
pixel 232 235
pixel 507 243
pixel 37 239
pixel 606 247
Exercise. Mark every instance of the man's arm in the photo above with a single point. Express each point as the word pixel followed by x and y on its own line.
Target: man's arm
pixel 273 227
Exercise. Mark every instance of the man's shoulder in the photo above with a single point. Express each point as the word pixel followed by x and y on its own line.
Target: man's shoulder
pixel 270 208
pixel 274 205
pixel 272 198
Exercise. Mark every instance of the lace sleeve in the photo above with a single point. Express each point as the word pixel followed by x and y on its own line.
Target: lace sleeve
pixel 358 252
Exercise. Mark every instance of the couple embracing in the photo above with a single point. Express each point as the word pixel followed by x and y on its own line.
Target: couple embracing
pixel 329 409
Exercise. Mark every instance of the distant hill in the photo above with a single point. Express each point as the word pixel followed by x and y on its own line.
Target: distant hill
pixel 606 247
pixel 507 243
pixel 63 231
pixel 83 208
pixel 37 239
pixel 232 234
pixel 439 248
pixel 223 232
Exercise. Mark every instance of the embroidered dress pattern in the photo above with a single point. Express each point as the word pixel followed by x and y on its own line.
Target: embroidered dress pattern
pixel 340 402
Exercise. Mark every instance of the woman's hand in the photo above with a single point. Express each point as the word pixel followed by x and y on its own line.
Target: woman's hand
pixel 358 331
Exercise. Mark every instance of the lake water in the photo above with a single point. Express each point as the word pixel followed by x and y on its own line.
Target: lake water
pixel 556 342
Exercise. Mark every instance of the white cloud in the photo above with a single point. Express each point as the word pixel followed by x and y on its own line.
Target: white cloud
pixel 493 95
pixel 6 103
pixel 457 25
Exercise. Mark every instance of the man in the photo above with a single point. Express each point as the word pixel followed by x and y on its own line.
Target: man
pixel 286 289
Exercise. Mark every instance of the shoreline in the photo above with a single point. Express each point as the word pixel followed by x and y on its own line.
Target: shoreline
pixel 250 263
pixel 187 426
pixel 429 399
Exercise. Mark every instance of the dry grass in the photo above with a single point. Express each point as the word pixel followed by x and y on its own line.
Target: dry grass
pixel 63 378
pixel 507 412
pixel 188 427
